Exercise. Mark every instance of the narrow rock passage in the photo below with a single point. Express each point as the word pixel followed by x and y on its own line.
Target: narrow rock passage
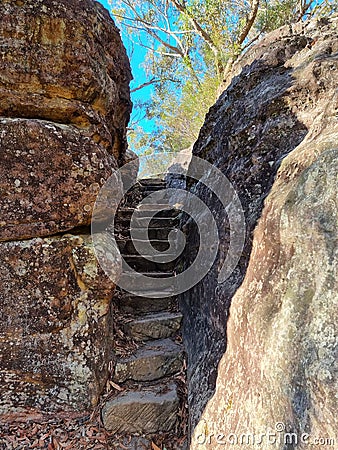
pixel 149 402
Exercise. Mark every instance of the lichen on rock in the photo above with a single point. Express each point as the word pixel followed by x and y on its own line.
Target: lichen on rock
pixel 64 106
pixel 55 335
pixel 269 357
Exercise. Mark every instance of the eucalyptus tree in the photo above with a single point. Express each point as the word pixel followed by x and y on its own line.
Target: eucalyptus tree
pixel 191 46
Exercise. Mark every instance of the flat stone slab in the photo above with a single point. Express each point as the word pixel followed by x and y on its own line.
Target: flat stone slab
pixel 153 361
pixel 154 326
pixel 132 304
pixel 147 286
pixel 146 263
pixel 146 411
pixel 141 221
pixel 153 182
pixel 158 244
pixel 161 210
pixel 158 233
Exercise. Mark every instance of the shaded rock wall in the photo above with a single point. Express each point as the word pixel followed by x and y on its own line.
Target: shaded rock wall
pixel 275 119
pixel 64 106
pixel 279 372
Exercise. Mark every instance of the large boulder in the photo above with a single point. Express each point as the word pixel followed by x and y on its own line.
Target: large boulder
pixel 273 133
pixel 279 372
pixel 64 107
pixel 64 89
pixel 56 332
pixel 64 61
pixel 50 175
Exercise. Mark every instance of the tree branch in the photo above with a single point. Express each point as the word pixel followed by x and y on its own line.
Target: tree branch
pixel 246 30
pixel 304 7
pixel 197 27
pixel 204 35
pixel 152 81
pixel 159 52
pixel 254 39
pixel 249 22
pixel 143 85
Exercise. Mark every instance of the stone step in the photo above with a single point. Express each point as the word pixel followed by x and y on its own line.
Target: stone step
pixel 128 246
pixel 142 264
pixel 142 222
pixel 154 206
pixel 154 233
pixel 148 189
pixel 152 182
pixel 145 191
pixel 132 304
pixel 153 361
pixel 164 211
pixel 146 284
pixel 142 411
pixel 154 326
pixel 153 185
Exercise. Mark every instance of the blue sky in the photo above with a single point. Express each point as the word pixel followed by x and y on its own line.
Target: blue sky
pixel 138 74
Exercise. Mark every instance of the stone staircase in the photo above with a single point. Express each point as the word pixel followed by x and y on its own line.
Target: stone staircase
pixel 149 402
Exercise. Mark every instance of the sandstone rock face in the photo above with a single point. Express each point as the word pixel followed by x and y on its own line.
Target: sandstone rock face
pixel 55 319
pixel 273 133
pixel 64 61
pixel 50 175
pixel 64 89
pixel 279 372
pixel 64 106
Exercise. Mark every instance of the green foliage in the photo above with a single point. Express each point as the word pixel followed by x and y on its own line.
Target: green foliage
pixel 183 115
pixel 276 13
pixel 155 164
pixel 191 46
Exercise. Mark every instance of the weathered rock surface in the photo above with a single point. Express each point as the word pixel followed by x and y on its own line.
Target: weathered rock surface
pixel 65 62
pixel 142 411
pixel 280 368
pixel 64 106
pixel 273 133
pixel 64 102
pixel 55 339
pixel 154 326
pixel 154 360
pixel 50 175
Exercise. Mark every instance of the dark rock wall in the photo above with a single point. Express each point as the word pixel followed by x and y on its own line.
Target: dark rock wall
pixel 64 107
pixel 281 90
